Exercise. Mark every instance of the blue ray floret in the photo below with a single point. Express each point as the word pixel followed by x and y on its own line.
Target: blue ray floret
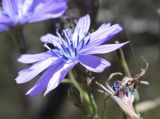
pixel 15 12
pixel 70 48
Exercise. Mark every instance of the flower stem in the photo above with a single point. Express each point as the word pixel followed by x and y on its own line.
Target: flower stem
pixel 18 38
pixel 103 114
pixel 88 99
pixel 123 61
pixel 74 82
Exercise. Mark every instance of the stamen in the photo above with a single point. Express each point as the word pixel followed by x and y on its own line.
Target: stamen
pixel 113 92
pixel 46 46
pixel 104 88
pixel 58 33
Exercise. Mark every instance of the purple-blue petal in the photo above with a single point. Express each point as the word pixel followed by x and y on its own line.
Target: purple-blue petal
pixel 32 58
pixel 93 63
pixel 42 83
pixel 48 9
pixel 50 38
pixel 25 11
pixel 31 72
pixel 4 19
pixel 103 35
pixel 101 49
pixel 10 7
pixel 59 75
pixel 81 29
pixel 3 27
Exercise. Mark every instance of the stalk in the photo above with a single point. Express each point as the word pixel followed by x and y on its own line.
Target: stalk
pixel 18 38
pixel 88 99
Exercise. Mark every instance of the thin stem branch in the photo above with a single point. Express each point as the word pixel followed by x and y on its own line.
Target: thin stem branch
pixel 123 61
pixel 88 99
pixel 18 38
pixel 74 82
pixel 103 115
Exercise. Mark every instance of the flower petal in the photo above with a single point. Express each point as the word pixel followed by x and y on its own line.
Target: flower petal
pixel 29 73
pixel 49 38
pixel 24 6
pixel 4 27
pixel 93 63
pixel 42 83
pixel 4 22
pixel 102 49
pixel 4 19
pixel 59 76
pixel 104 34
pixel 81 29
pixel 10 7
pixel 31 58
pixel 48 9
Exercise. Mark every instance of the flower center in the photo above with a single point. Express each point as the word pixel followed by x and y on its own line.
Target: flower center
pixel 66 46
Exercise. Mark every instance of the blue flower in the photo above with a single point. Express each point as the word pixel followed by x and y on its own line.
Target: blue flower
pixel 72 47
pixel 15 12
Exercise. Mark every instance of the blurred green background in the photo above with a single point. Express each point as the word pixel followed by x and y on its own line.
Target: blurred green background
pixel 140 20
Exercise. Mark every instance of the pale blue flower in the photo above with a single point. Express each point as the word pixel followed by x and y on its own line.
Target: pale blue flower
pixel 15 12
pixel 72 47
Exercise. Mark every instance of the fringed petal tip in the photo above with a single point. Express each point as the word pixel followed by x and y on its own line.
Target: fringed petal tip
pixel 32 71
pixel 50 38
pixel 46 92
pixel 118 27
pixel 30 91
pixel 43 38
pixel 114 29
pixel 19 81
